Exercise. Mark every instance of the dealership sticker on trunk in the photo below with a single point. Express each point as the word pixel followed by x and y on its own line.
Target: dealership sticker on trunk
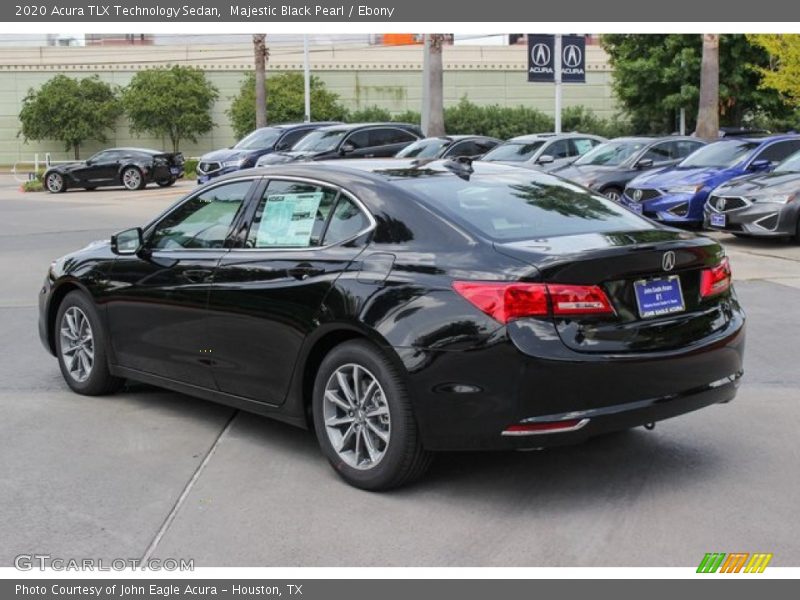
pixel 717 220
pixel 657 297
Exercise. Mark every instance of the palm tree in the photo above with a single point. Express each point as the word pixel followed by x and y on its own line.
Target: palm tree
pixel 261 53
pixel 708 112
pixel 435 108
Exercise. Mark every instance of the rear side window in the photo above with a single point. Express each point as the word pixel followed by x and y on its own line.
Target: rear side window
pixel 384 137
pixel 347 221
pixel 518 207
pixel 291 214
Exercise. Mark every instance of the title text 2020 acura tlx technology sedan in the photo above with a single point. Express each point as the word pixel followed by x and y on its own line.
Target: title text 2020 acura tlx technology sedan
pixel 402 307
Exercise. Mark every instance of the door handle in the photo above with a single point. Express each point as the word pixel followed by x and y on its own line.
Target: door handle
pixel 197 275
pixel 303 271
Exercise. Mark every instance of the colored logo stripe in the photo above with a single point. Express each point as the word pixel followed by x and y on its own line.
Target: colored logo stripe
pixel 734 562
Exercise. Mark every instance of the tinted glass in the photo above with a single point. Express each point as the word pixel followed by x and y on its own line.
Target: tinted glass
pixel 386 136
pixel 321 140
pixel 776 152
pixel 291 214
pixel 661 152
pixel 684 148
pixel 291 138
pixel 260 138
pixel 347 221
pixel 514 151
pixel 558 149
pixel 514 206
pixel 610 153
pixel 359 139
pixel 790 165
pixel 719 154
pixel 466 148
pixel 202 221
pixel 428 148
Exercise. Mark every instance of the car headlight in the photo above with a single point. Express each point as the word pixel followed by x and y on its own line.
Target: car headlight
pixel 685 189
pixel 776 198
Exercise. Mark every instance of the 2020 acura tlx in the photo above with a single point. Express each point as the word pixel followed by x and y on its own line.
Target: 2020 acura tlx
pixel 400 308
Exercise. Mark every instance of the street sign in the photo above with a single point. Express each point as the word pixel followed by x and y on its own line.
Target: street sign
pixel 541 58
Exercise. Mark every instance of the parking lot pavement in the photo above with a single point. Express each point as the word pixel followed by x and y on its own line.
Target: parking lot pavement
pixel 149 472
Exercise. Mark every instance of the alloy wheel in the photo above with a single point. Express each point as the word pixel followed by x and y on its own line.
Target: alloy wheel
pixel 77 344
pixel 357 418
pixel 55 182
pixel 132 179
pixel 612 195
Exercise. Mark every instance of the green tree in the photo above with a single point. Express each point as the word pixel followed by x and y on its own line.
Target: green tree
pixel 284 102
pixel 172 102
pixel 69 110
pixel 782 74
pixel 656 75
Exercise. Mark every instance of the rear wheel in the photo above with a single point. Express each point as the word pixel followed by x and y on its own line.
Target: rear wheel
pixel 132 178
pixel 613 193
pixel 55 183
pixel 166 182
pixel 364 420
pixel 80 346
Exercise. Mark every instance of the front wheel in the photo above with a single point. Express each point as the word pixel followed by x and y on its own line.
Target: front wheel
pixel 166 182
pixel 364 420
pixel 55 183
pixel 613 193
pixel 132 178
pixel 81 347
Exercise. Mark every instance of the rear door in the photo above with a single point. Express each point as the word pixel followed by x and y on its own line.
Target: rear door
pixel 267 294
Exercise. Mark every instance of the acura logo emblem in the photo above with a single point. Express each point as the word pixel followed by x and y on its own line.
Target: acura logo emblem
pixel 540 55
pixel 572 56
pixel 721 202
pixel 668 260
pixel 637 195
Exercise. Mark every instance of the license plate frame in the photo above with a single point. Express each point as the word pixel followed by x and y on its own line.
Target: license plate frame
pixel 666 296
pixel 718 220
pixel 175 170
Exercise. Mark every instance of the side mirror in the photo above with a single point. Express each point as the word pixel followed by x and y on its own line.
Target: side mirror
pixel 545 159
pixel 760 165
pixel 645 163
pixel 347 148
pixel 127 242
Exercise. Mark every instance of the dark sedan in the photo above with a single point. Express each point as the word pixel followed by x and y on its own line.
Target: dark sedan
pixel 400 308
pixel 609 167
pixel 766 205
pixel 354 140
pixel 132 168
pixel 449 146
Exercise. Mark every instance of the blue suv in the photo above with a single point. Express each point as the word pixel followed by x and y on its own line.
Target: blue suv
pixel 252 147
pixel 678 194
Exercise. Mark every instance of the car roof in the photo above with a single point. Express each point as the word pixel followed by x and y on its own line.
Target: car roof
pixel 533 137
pixel 131 149
pixel 301 124
pixel 352 126
pixel 458 137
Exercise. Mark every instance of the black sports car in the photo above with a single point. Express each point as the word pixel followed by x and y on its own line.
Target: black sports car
pixel 401 307
pixel 132 168
pixel 609 167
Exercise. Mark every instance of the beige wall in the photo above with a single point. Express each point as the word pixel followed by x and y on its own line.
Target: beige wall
pixel 387 77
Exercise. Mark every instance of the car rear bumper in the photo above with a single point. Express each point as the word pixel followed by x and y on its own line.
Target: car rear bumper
pixel 466 399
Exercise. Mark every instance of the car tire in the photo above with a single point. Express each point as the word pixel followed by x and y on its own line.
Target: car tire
pixel 81 347
pixel 370 437
pixel 55 183
pixel 132 179
pixel 166 182
pixel 612 193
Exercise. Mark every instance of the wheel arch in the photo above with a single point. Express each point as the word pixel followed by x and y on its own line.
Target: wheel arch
pixel 56 298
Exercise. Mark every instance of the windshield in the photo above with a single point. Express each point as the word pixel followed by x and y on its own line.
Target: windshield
pixel 514 151
pixel 429 148
pixel 611 154
pixel 512 207
pixel 718 154
pixel 260 138
pixel 321 140
pixel 789 165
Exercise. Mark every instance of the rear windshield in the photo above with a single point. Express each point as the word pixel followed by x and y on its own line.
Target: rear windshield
pixel 513 151
pixel 512 207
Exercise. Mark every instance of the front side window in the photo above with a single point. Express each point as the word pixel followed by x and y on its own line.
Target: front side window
pixel 558 149
pixel 514 151
pixel 776 152
pixel 291 214
pixel 611 154
pixel 203 221
pixel 260 138
pixel 427 148
pixel 659 153
pixel 321 140
pixel 719 154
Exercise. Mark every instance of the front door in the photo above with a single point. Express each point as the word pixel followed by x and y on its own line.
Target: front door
pixel 157 302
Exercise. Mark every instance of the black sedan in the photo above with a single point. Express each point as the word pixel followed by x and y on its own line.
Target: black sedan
pixel 353 140
pixel 400 308
pixel 763 205
pixel 609 167
pixel 449 146
pixel 132 168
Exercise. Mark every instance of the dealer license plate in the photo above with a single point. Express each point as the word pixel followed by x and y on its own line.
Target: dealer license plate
pixel 658 297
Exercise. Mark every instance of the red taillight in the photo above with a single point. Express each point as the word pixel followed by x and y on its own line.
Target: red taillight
pixel 715 280
pixel 545 427
pixel 507 301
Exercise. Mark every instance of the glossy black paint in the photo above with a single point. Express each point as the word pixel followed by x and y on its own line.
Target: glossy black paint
pixel 248 327
pixel 105 167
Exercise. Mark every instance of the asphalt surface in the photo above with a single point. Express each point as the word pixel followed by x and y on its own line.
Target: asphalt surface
pixel 153 473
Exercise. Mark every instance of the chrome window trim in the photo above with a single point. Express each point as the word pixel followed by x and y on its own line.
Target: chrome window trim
pixel 373 223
